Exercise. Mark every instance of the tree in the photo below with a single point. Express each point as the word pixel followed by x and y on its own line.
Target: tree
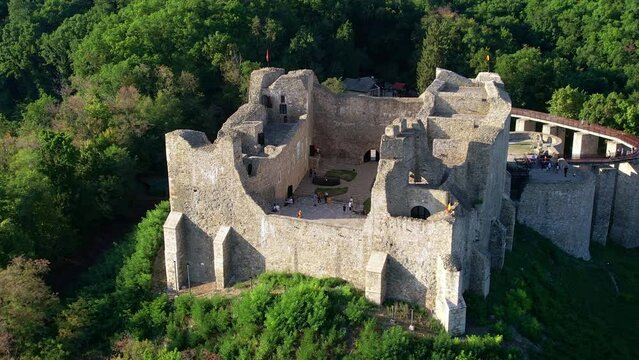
pixel 26 305
pixel 433 54
pixel 443 46
pixel 32 211
pixel 612 110
pixel 39 114
pixel 527 76
pixel 334 84
pixel 567 102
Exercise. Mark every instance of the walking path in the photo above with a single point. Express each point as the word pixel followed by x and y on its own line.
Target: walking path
pixel 333 213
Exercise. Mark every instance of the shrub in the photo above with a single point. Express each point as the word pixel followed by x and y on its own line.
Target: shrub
pixel 309 349
pixel 300 307
pixel 367 206
pixel 334 84
pixel 151 320
pixel 356 309
pixel 250 308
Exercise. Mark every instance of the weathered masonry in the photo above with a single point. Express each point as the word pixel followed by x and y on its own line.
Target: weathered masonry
pixel 598 201
pixel 447 146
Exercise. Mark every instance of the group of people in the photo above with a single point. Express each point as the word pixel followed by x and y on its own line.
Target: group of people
pixel 276 207
pixel 622 151
pixel 317 199
pixel 545 162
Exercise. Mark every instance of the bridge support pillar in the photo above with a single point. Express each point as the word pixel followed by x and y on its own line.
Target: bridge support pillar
pixel 557 131
pixel 524 125
pixel 584 145
pixel 612 147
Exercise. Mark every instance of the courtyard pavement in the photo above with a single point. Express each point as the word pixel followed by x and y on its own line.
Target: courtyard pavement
pixel 333 213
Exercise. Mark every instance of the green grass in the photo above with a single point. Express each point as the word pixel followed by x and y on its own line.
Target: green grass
pixel 568 306
pixel 367 206
pixel 520 149
pixel 347 175
pixel 293 316
pixel 332 191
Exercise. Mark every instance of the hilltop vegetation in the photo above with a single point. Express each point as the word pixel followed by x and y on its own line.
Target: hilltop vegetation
pixel 116 313
pixel 569 307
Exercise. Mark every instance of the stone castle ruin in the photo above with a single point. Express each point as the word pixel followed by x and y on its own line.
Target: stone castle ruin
pixel 446 147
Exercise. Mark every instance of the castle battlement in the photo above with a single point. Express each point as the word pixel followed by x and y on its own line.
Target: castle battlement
pixel 447 146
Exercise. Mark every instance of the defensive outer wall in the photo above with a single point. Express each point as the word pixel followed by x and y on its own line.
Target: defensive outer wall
pixel 599 202
pixel 447 146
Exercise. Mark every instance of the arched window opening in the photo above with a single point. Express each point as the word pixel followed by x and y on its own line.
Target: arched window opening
pixel 249 169
pixel 371 155
pixel 266 101
pixel 419 212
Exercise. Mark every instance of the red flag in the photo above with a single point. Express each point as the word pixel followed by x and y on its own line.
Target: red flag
pixel 268 58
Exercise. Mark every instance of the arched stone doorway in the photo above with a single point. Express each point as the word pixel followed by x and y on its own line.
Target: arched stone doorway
pixel 419 212
pixel 371 155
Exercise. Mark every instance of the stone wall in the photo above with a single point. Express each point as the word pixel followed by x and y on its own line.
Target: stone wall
pixel 604 198
pixel 284 166
pixel 561 211
pixel 348 125
pixel 624 229
pixel 224 190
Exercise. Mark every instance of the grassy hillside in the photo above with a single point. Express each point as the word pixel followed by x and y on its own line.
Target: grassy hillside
pixel 571 308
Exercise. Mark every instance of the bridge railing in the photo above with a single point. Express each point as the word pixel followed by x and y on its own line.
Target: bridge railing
pixel 594 128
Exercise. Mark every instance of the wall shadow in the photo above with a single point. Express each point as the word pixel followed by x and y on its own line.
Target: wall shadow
pixel 198 250
pixel 401 284
pixel 246 261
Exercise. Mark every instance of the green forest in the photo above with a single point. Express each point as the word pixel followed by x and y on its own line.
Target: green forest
pixel 89 88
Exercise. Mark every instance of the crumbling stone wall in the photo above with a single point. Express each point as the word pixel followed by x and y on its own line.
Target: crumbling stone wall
pixel 223 190
pixel 283 166
pixel 561 211
pixel 624 229
pixel 606 177
pixel 348 125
